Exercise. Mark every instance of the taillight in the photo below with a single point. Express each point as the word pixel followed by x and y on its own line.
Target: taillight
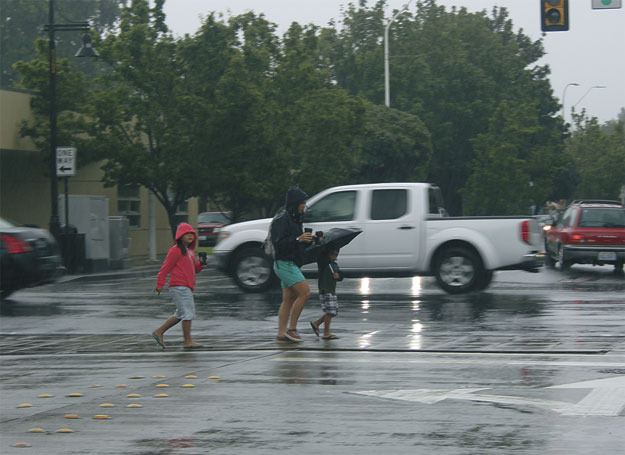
pixel 577 238
pixel 15 245
pixel 525 231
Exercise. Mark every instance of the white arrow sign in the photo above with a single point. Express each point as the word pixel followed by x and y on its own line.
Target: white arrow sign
pixel 65 161
pixel 607 397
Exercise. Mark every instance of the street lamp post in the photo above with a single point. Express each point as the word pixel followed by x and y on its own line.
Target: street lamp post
pixel 85 51
pixel 587 92
pixel 563 98
pixel 387 82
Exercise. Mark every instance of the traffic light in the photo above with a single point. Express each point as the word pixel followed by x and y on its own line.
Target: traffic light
pixel 554 15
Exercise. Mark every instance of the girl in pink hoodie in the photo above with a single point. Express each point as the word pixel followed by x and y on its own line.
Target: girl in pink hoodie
pixel 181 264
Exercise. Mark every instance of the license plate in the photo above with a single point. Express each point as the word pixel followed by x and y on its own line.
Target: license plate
pixel 607 256
pixel 202 237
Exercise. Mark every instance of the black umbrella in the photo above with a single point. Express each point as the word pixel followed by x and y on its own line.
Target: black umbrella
pixel 335 238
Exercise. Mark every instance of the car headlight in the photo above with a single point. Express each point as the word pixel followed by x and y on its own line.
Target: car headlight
pixel 222 234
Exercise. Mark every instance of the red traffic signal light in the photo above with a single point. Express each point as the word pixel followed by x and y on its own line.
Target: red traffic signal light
pixel 554 15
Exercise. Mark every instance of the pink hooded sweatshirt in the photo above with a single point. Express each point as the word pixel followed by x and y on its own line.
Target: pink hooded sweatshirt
pixel 182 267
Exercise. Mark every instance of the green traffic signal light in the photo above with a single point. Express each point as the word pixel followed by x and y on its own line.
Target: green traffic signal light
pixel 554 15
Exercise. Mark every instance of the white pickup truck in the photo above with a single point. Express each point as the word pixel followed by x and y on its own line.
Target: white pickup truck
pixel 405 232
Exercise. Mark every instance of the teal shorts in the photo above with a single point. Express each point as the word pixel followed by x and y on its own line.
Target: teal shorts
pixel 288 272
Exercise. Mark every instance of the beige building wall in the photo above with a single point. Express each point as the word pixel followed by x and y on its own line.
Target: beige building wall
pixel 23 171
pixel 25 186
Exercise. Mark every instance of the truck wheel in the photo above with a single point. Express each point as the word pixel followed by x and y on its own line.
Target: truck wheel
pixel 563 263
pixel 457 270
pixel 484 280
pixel 252 270
pixel 549 260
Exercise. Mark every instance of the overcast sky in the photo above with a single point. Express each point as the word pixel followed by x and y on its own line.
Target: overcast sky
pixel 590 54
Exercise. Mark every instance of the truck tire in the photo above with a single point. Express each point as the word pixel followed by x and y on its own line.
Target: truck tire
pixel 252 270
pixel 549 260
pixel 457 270
pixel 564 264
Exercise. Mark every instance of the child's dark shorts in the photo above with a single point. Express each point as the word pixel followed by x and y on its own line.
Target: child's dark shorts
pixel 329 304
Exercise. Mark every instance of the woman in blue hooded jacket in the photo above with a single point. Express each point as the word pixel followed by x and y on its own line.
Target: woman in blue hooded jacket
pixel 289 241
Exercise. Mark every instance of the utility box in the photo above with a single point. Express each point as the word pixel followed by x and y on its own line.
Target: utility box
pixel 89 214
pixel 119 241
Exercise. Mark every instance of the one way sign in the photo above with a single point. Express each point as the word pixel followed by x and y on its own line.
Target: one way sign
pixel 65 161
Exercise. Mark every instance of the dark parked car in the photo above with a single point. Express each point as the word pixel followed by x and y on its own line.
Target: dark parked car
pixel 28 257
pixel 589 232
pixel 208 224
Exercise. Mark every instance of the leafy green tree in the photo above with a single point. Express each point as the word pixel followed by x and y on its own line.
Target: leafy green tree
pixel 139 110
pixel 512 170
pixel 229 69
pixel 21 22
pixel 71 92
pixel 599 155
pixel 322 138
pixel 451 68
pixel 395 146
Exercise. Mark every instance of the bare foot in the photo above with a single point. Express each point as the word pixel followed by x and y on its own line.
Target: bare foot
pixel 192 345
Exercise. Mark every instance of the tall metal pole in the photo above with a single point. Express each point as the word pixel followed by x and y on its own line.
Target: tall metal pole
pixel 387 71
pixel 55 227
pixel 563 98
pixel 387 87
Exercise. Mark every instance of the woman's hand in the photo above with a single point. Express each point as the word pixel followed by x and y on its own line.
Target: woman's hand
pixel 306 237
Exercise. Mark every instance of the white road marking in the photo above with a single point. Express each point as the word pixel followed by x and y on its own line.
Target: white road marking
pixel 607 397
pixel 471 361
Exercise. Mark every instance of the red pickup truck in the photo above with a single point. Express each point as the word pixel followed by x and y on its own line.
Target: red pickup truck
pixel 589 232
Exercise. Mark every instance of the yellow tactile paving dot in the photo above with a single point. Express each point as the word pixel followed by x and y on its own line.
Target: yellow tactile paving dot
pixel 107 405
pixel 214 377
pixel 159 376
pixel 95 386
pixel 71 416
pixel 134 395
pixel 36 430
pixel 135 405
pixel 64 430
pixel 187 386
pixel 21 445
pixel 191 376
pixel 44 395
pixel 137 376
pixel 24 405
pixel 161 395
pixel 74 395
pixel 101 417
pixel 121 386
pixel 162 386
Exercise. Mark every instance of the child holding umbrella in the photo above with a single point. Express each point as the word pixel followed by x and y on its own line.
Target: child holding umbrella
pixel 329 274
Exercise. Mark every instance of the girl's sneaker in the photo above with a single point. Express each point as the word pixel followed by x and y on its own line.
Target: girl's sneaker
pixel 293 336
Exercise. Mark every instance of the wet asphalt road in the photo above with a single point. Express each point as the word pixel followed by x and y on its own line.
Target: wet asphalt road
pixel 535 365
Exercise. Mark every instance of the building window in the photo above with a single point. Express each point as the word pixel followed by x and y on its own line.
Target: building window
pixel 129 204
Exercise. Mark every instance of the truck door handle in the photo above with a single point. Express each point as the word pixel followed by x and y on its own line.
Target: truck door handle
pixel 405 227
